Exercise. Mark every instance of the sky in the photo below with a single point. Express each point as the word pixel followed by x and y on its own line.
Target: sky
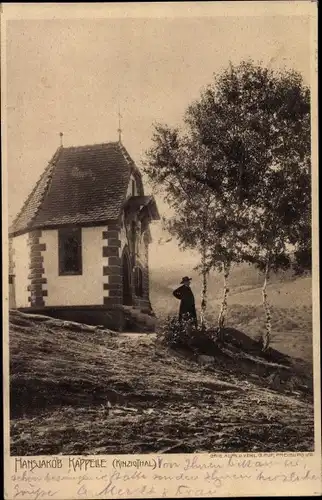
pixel 70 75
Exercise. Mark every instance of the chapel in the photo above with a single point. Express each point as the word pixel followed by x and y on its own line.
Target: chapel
pixel 79 247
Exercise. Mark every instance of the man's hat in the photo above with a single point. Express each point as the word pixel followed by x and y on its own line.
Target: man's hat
pixel 185 278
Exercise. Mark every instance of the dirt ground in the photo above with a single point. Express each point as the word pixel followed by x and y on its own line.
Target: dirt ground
pixel 78 390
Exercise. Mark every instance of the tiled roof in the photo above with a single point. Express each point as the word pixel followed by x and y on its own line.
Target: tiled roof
pixel 80 185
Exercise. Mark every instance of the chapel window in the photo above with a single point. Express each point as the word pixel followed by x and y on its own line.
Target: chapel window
pixel 70 251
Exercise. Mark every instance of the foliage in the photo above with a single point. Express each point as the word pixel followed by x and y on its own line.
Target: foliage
pixel 255 124
pixel 172 332
pixel 238 175
pixel 180 167
pixel 175 334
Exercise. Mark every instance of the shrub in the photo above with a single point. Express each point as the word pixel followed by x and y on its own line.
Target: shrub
pixel 173 332
pixel 185 334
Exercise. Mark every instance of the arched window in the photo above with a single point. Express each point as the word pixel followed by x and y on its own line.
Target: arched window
pixel 138 282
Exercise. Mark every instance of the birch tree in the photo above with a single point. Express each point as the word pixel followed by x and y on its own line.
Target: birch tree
pixel 175 164
pixel 256 123
pixel 251 126
pixel 279 235
pixel 191 228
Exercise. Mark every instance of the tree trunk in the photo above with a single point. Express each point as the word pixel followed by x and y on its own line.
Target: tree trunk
pixel 268 325
pixel 204 269
pixel 223 309
pixel 204 289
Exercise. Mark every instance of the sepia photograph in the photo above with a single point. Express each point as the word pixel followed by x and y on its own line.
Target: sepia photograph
pixel 159 180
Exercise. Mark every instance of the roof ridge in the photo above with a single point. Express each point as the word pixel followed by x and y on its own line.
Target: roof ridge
pixel 126 155
pixel 129 160
pixel 34 190
pixel 84 146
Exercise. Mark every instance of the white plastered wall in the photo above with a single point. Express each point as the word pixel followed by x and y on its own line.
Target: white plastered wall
pixel 21 261
pixel 82 290
pixel 129 188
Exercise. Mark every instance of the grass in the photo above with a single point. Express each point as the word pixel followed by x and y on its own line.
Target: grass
pixel 80 390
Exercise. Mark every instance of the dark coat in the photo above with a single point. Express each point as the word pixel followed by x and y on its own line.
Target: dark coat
pixel 187 304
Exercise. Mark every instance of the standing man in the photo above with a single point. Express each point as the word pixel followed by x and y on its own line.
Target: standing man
pixel 187 304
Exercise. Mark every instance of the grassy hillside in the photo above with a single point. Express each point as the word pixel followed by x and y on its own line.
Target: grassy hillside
pixel 290 300
pixel 81 390
pixel 245 287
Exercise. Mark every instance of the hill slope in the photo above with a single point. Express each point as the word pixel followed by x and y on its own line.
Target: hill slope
pixel 80 390
pixel 245 284
pixel 290 300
